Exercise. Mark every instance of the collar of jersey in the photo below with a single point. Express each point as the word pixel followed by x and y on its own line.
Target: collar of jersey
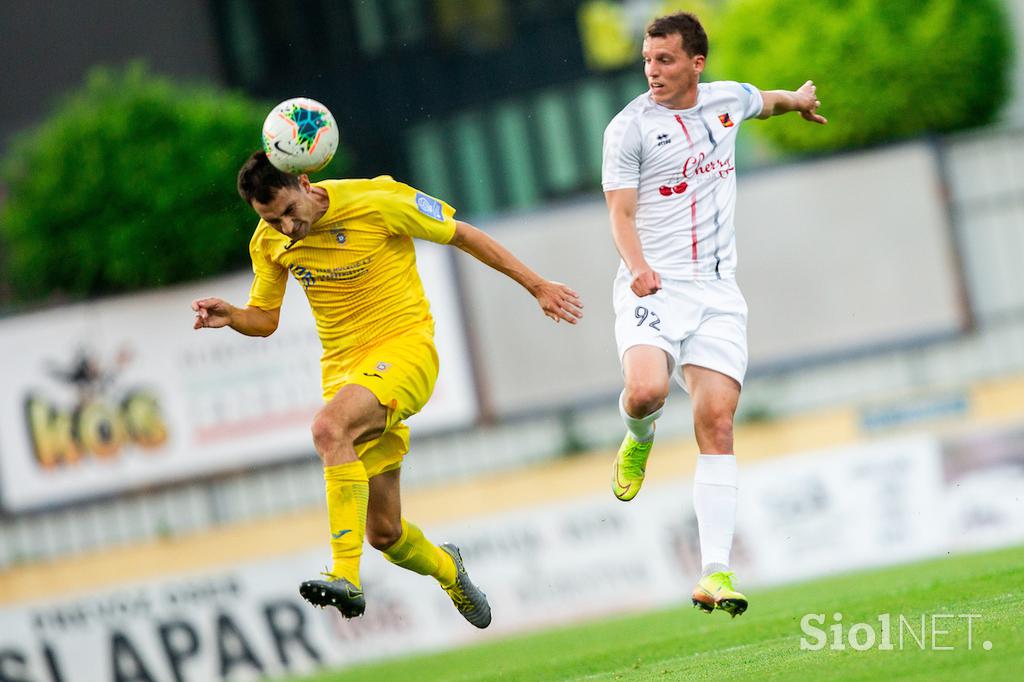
pixel 662 107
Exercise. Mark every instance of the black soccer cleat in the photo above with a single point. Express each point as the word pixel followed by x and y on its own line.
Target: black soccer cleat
pixel 337 592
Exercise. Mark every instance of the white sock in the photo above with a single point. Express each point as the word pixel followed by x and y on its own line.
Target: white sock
pixel 642 428
pixel 714 501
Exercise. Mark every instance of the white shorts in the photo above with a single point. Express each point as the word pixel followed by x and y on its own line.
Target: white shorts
pixel 701 323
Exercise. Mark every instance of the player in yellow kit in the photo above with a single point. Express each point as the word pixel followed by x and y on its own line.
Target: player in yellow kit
pixel 348 243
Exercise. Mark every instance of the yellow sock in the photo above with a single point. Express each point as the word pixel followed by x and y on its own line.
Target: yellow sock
pixel 348 492
pixel 418 554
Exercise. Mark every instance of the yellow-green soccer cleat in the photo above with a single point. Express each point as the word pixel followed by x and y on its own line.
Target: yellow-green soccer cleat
pixel 336 592
pixel 715 592
pixel 630 467
pixel 467 597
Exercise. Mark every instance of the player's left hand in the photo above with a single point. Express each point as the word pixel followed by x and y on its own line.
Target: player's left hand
pixel 559 302
pixel 808 103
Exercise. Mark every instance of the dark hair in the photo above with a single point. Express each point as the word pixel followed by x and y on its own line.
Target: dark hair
pixel 695 40
pixel 258 179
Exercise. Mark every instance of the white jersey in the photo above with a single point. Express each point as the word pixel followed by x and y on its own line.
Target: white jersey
pixel 682 164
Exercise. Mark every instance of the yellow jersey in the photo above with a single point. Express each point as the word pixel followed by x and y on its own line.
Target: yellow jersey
pixel 357 265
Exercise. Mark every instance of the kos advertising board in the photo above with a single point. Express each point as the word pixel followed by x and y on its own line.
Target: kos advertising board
pixel 122 393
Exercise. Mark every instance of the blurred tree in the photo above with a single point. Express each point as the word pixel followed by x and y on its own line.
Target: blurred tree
pixel 885 69
pixel 130 184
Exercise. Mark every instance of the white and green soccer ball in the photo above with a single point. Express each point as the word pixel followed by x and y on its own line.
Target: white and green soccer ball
pixel 300 136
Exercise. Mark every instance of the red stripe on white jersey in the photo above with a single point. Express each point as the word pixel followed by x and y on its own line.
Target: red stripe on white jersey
pixel 693 228
pixel 685 131
pixel 693 203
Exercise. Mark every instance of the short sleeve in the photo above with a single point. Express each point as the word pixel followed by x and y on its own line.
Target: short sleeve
pixel 620 167
pixel 750 100
pixel 408 211
pixel 269 278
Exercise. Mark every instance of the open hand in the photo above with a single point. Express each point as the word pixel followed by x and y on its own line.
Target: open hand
pixel 559 302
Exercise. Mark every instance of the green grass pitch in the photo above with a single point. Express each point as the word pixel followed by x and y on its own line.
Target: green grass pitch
pixel 764 644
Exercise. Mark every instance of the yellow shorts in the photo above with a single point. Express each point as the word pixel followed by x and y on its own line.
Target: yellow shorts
pixel 401 373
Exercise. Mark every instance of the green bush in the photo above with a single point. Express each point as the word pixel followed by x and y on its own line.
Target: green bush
pixel 130 184
pixel 885 69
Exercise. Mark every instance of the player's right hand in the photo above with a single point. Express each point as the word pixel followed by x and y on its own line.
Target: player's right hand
pixel 212 313
pixel 646 282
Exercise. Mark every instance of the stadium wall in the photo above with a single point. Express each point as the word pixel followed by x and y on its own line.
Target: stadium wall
pixel 224 608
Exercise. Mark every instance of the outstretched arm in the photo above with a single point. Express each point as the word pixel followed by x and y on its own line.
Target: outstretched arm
pixel 215 313
pixel 805 100
pixel 558 301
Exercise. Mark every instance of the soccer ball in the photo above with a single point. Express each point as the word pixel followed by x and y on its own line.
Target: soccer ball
pixel 300 136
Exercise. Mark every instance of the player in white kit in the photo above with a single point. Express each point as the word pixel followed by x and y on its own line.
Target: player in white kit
pixel 669 179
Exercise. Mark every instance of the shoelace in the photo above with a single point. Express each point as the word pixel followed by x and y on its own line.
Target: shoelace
pixel 458 596
pixel 634 463
pixel 331 578
pixel 726 579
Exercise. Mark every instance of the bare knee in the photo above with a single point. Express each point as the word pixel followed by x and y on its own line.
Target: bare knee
pixel 383 534
pixel 330 433
pixel 715 433
pixel 644 397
